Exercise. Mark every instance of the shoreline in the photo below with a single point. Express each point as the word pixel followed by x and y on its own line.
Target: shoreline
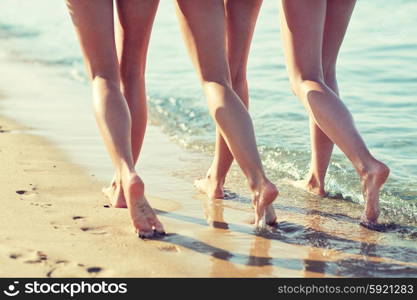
pixel 54 223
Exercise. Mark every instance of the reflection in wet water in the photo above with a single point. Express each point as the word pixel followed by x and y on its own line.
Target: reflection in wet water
pixel 213 211
pixel 344 267
pixel 317 206
pixel 258 255
pixel 407 232
pixel 364 268
pixel 315 266
pixel 295 234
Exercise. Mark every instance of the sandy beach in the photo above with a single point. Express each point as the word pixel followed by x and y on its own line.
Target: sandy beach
pixel 55 222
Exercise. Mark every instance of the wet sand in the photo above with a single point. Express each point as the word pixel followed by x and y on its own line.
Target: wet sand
pixel 55 222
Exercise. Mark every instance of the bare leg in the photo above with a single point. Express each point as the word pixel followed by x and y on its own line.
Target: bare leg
pixel 136 19
pixel 203 24
pixel 94 25
pixel 241 19
pixel 338 13
pixel 303 24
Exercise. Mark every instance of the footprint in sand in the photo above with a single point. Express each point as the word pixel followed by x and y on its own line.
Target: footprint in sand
pixel 169 248
pixel 26 193
pixel 41 205
pixel 80 220
pixel 100 230
pixel 2 130
pixel 56 267
pixel 14 256
pixel 29 256
pixel 31 191
pixel 94 270
pixel 71 269
pixel 165 246
pixel 94 230
pixel 38 257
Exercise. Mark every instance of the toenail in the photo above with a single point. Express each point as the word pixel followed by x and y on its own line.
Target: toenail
pixel 146 235
pixel 142 236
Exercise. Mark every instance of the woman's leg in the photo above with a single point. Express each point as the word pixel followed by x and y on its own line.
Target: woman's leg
pixel 203 25
pixel 136 19
pixel 338 13
pixel 241 20
pixel 94 25
pixel 302 24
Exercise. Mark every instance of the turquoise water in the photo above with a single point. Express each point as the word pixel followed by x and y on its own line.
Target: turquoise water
pixel 376 72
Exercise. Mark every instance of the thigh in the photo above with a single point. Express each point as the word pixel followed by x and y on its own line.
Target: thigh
pixel 203 24
pixel 338 15
pixel 302 26
pixel 94 24
pixel 241 21
pixel 136 19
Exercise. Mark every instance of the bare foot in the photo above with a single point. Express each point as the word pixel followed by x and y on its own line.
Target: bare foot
pixel 312 185
pixel 143 217
pixel 262 201
pixel 372 181
pixel 211 187
pixel 270 217
pixel 115 195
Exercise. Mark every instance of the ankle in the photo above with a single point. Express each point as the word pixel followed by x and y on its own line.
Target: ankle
pixel 257 183
pixel 125 176
pixel 314 181
pixel 371 168
pixel 215 177
pixel 264 192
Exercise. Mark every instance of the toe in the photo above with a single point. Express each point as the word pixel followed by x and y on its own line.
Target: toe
pixel 145 234
pixel 142 225
pixel 159 228
pixel 154 221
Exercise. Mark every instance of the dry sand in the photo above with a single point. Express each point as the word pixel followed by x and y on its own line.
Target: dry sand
pixel 53 222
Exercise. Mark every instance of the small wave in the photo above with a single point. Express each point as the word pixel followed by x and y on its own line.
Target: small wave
pixel 10 31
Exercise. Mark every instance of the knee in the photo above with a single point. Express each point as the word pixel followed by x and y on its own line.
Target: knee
pixel 132 67
pixel 107 72
pixel 104 88
pixel 216 82
pixel 106 81
pixel 301 84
